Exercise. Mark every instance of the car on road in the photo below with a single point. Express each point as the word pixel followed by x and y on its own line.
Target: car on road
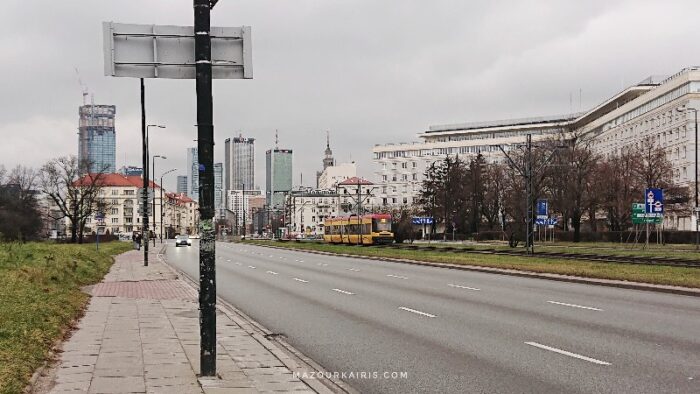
pixel 183 240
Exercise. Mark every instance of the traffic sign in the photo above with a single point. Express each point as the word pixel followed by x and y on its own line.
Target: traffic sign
pixel 546 221
pixel 542 208
pixel 639 215
pixel 422 220
pixel 654 201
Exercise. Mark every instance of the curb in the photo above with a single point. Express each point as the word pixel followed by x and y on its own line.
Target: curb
pixel 679 290
pixel 283 352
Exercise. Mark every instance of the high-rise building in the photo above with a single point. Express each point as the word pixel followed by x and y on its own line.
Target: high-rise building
pixel 193 174
pixel 278 174
pixel 240 163
pixel 219 202
pixel 182 184
pixel 97 139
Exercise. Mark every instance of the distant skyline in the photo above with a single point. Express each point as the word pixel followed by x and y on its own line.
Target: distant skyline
pixel 368 71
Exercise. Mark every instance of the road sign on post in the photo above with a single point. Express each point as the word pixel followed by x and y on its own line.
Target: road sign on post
pixel 639 215
pixel 654 201
pixel 185 52
pixel 542 208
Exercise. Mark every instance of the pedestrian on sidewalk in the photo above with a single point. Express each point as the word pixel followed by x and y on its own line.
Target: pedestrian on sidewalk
pixel 137 241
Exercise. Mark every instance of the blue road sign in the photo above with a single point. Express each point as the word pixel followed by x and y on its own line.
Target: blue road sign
pixel 546 221
pixel 654 201
pixel 422 220
pixel 542 208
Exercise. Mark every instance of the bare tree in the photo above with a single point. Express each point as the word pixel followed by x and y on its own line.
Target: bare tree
pixel 493 194
pixel 20 218
pixel 74 191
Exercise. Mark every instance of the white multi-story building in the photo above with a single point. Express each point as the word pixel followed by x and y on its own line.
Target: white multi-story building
pixel 655 107
pixel 331 176
pixel 238 202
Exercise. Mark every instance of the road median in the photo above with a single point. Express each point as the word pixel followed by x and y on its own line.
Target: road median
pixel 678 280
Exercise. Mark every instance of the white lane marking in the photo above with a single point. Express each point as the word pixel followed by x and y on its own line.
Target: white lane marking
pixel 416 312
pixel 397 276
pixel 281 257
pixel 271 256
pixel 463 287
pixel 229 260
pixel 238 263
pixel 353 269
pixel 301 280
pixel 272 272
pixel 575 306
pixel 250 266
pixel 564 352
pixel 344 292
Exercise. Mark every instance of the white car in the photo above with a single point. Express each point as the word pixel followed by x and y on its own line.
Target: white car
pixel 183 240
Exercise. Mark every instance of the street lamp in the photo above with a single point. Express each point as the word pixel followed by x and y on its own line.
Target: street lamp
pixel 153 187
pixel 146 177
pixel 695 164
pixel 162 214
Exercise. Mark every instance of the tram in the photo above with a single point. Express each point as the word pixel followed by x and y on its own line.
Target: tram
pixel 370 229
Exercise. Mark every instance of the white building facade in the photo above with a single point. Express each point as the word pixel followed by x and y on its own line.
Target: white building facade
pixel 647 109
pixel 331 176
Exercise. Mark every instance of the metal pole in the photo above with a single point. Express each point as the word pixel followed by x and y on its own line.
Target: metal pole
pixel 528 179
pixel 205 147
pixel 245 213
pixel 161 209
pixel 153 187
pixel 144 198
pixel 697 233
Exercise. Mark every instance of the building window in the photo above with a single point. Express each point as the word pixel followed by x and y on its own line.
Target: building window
pixel 115 211
pixel 384 200
pixel 115 192
pixel 129 192
pixel 414 164
pixel 393 178
pixel 404 165
pixel 393 200
pixel 404 177
pixel 384 178
pixel 393 165
pixel 129 220
pixel 115 220
pixel 405 200
pixel 415 177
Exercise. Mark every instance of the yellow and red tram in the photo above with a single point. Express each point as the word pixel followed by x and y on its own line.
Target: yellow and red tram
pixel 359 230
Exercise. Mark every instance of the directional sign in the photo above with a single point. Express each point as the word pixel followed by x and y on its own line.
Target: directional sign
pixel 542 209
pixel 100 216
pixel 421 220
pixel 546 221
pixel 654 202
pixel 154 51
pixel 639 215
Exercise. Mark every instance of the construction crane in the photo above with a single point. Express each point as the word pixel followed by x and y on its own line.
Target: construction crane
pixel 82 85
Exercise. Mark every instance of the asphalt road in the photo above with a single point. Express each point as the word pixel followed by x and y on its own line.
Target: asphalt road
pixel 454 331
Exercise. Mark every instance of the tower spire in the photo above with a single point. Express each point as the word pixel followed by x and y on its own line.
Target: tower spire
pixel 277 140
pixel 328 139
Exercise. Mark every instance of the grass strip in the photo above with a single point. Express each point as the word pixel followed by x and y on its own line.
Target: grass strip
pixel 39 298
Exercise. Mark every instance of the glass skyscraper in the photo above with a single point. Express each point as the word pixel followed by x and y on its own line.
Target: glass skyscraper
pixel 193 173
pixel 97 139
pixel 239 158
pixel 278 172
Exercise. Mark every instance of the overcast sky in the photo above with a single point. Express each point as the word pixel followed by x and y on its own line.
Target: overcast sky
pixel 370 71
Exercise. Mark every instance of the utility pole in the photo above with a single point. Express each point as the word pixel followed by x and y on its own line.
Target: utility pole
pixel 205 147
pixel 530 235
pixel 244 211
pixel 144 197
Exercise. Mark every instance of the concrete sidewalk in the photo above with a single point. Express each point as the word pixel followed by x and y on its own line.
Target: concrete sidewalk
pixel 140 334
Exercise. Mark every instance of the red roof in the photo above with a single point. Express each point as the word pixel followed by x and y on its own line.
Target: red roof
pixel 114 179
pixel 355 181
pixel 181 197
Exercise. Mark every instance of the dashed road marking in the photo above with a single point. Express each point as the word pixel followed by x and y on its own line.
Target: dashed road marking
pixel 250 266
pixel 575 306
pixel 564 352
pixel 353 269
pixel 416 312
pixel 272 272
pixel 343 291
pixel 301 280
pixel 397 276
pixel 463 287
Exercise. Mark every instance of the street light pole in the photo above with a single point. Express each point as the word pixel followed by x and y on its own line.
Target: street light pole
pixel 153 187
pixel 695 165
pixel 162 214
